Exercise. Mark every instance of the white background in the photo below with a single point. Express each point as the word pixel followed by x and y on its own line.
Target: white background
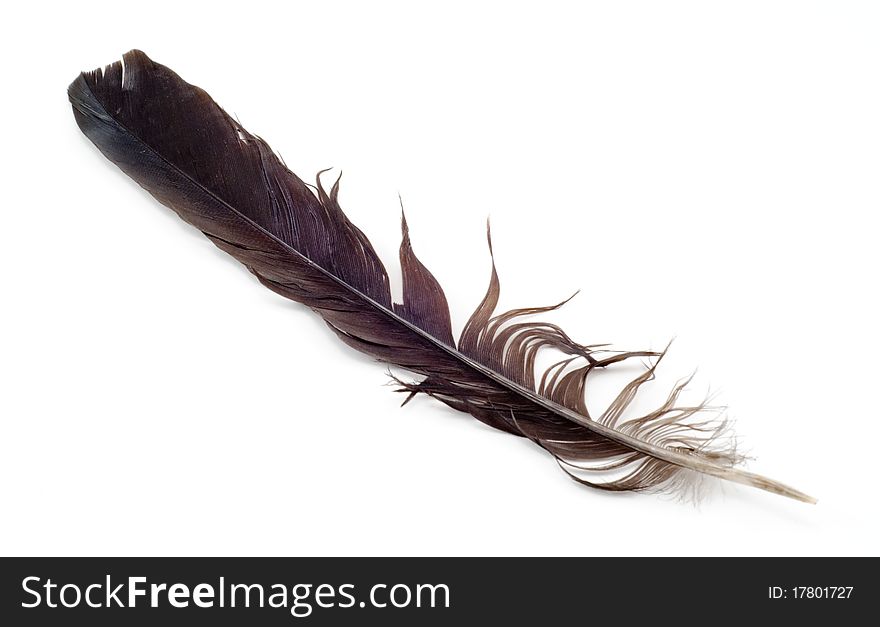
pixel 704 171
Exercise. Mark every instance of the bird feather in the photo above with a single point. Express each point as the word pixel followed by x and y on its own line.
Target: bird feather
pixel 179 145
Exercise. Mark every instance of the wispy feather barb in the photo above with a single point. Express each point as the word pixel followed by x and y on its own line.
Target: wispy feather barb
pixel 180 146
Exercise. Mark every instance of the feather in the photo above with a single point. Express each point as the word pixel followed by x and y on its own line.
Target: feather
pixel 180 146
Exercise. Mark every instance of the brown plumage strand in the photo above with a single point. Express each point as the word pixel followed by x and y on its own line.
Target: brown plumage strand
pixel 180 146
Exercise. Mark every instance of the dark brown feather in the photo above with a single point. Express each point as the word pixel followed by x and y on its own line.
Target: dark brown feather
pixel 180 146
